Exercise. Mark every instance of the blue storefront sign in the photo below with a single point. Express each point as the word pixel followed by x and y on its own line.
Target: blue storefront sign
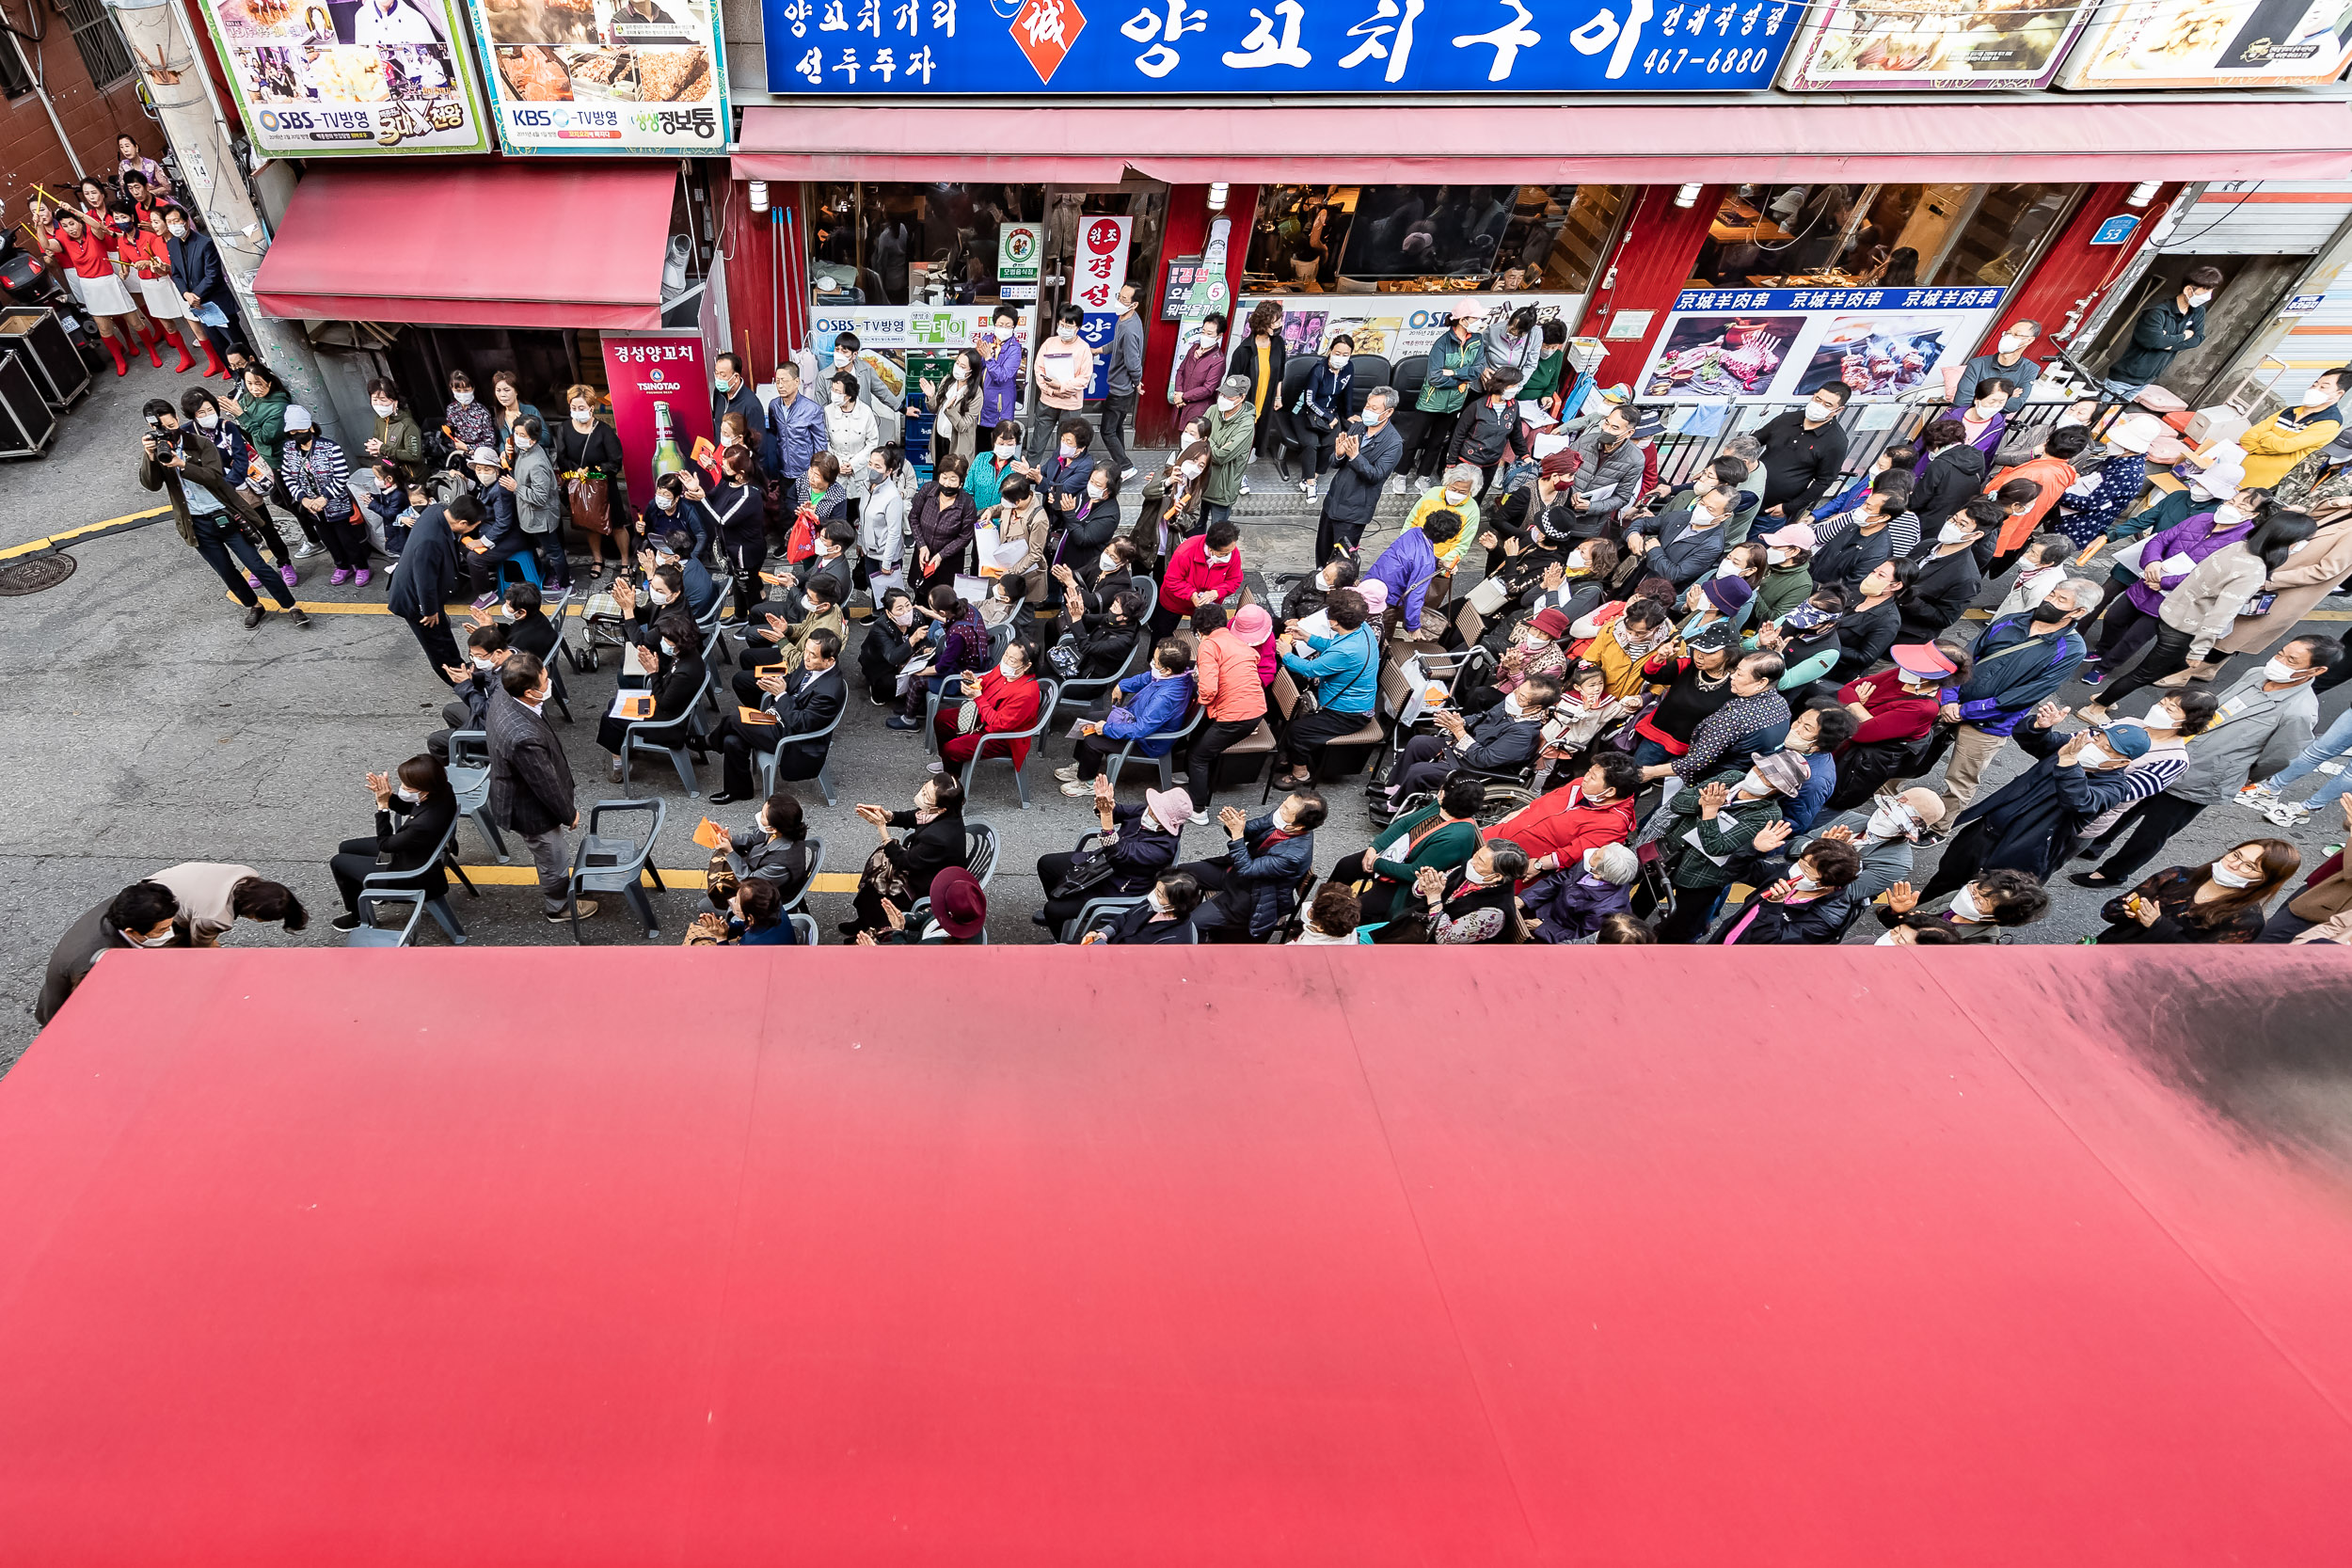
pixel 2115 231
pixel 1026 47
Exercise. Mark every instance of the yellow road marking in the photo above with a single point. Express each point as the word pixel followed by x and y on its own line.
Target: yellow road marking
pixel 53 541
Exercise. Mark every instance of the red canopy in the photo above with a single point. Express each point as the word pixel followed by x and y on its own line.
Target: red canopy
pixel 1183 1256
pixel 2032 137
pixel 484 244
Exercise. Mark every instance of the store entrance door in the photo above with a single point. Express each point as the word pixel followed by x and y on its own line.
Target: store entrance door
pixel 1096 238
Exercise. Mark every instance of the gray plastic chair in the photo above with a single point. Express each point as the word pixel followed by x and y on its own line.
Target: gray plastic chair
pixel 680 758
pixel 470 779
pixel 602 864
pixel 714 636
pixel 371 935
pixel 806 926
pixel 825 783
pixel 1166 759
pixel 1093 911
pixel 1078 695
pixel 1035 733
pixel 816 864
pixel 411 882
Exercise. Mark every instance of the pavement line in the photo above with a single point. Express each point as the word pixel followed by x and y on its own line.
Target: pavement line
pixel 528 876
pixel 128 519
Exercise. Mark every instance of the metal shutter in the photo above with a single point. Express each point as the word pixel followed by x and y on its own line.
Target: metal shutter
pixel 2260 217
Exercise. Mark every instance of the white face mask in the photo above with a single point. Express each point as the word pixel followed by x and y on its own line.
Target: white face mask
pixel 1069 333
pixel 178 230
pixel 2226 516
pixel 1891 939
pixel 1575 563
pixel 1098 492
pixel 2014 344
pixel 2095 755
pixel 2278 669
pixel 1753 785
pixel 1208 340
pixel 1952 534
pixel 1007 670
pixel 1216 560
pixel 1159 903
pixel 1374 418
pixel 841 359
pixel 808 602
pixel 481 661
pixel 1227 404
pixel 1819 413
pixel 659 596
pixel 1891 820
pixel 583 418
pixel 463 398
pixel 1964 905
pixel 961 374
pixel 1069 450
pixel 1728 569
pixel 1803 882
pixel 210 420
pixel 384 410
pixel 1004 450
pixel 1777 556
pixel 2228 877
pixel 163 941
pixel 2198 296
pixel 411 796
pixel 522 441
pixel 1339 361
pixel 668 648
pixel 1190 470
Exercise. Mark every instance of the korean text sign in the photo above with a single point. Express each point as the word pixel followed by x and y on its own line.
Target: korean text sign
pixel 634 76
pixel 315 80
pixel 646 368
pixel 1786 343
pixel 1273 46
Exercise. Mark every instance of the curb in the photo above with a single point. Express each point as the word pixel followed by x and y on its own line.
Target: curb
pixel 95 530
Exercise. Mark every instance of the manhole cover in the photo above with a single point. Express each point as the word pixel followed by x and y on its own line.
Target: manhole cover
pixel 34 573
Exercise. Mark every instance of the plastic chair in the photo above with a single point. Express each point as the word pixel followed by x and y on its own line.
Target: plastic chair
pixel 824 784
pixel 469 778
pixel 806 925
pixel 680 758
pixel 1080 694
pixel 714 636
pixel 1166 759
pixel 1094 910
pixel 526 564
pixel 370 935
pixel 602 864
pixel 979 851
pixel 411 882
pixel 1020 769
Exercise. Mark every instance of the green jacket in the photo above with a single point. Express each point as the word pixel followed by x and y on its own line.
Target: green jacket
pixel 1454 368
pixel 1784 589
pixel 1446 848
pixel 1546 380
pixel 1729 834
pixel 403 443
pixel 1229 436
pixel 265 422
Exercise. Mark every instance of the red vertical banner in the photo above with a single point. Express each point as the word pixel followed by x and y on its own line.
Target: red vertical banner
pixel 646 368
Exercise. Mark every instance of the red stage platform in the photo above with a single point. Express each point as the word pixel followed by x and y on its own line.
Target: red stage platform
pixel 1252 1257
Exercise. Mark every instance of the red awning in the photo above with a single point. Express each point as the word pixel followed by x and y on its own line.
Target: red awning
pixel 1779 138
pixel 500 244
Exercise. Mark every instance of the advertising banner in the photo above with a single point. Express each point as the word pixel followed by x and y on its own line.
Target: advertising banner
pixel 1395 327
pixel 1274 47
pixel 635 76
pixel 1899 43
pixel 315 80
pixel 644 369
pixel 1784 343
pixel 899 327
pixel 2212 43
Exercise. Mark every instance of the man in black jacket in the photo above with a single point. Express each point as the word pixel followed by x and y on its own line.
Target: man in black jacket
pixel 196 272
pixel 1945 579
pixel 1503 739
pixel 1362 457
pixel 802 702
pixel 1805 451
pixel 530 780
pixel 2162 331
pixel 1955 473
pixel 145 914
pixel 426 575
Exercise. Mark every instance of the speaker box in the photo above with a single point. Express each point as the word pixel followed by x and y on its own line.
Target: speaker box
pixel 49 353
pixel 26 420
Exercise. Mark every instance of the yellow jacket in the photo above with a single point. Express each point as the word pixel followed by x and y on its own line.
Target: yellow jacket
pixel 2280 442
pixel 1433 499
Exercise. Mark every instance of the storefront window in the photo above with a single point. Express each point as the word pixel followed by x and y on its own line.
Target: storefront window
pixel 1890 236
pixel 1353 239
pixel 911 244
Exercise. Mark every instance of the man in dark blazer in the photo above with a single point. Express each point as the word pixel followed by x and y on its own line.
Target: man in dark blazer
pixel 531 781
pixel 426 575
pixel 145 914
pixel 810 699
pixel 197 273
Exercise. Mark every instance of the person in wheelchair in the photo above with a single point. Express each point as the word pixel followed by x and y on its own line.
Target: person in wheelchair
pixel 1503 739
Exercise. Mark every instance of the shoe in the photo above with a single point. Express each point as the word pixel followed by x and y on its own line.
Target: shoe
pixel 900 722
pixel 724 798
pixel 483 602
pixel 1396 484
pixel 2092 713
pixel 1244 487
pixel 1199 820
pixel 2090 675
pixel 2256 797
pixel 846 927
pixel 2287 813
pixel 344 923
pixel 307 549
pixel 2088 879
pixel 341 575
pixel 932 764
pixel 1075 789
pixel 2201 673
pixel 362 577
pixel 1127 473
pixel 1067 773
pixel 876 698
pixel 557 917
pixel 289 576
pixel 1307 489
pixel 253 617
pixel 253 582
pixel 301 617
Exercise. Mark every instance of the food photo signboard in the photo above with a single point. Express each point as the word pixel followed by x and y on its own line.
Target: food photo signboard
pixel 2213 43
pixel 633 76
pixel 1781 345
pixel 1395 327
pixel 1933 43
pixel 317 80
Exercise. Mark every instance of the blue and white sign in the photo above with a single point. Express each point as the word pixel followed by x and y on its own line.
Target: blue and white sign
pixel 1273 46
pixel 2115 231
pixel 1834 299
pixel 1786 344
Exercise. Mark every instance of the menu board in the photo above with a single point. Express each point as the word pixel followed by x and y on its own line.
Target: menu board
pixel 1396 326
pixel 1786 343
pixel 631 76
pixel 315 80
pixel 2213 43
pixel 1902 43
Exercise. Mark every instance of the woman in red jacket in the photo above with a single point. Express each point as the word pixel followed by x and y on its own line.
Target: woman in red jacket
pixel 1902 703
pixel 1005 699
pixel 1204 569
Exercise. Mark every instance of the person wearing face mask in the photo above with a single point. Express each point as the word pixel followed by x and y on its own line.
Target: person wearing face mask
pixel 1152 702
pixel 1571 903
pixel 851 433
pixel 2017 663
pixel 1811 906
pixel 1984 417
pixel 242 469
pixel 1711 834
pixel 501 537
pixel 887 644
pixel 1132 848
pixel 1503 739
pixel 1804 449
pixel 532 792
pixel 1003 356
pixel 2092 508
pixel 319 480
pixel 1454 361
pixel 1534 649
pixel 1365 450
pixel 1003 701
pixel 1985 911
pixel 587 455
pixel 1200 372
pixel 882 525
pixel 414 807
pixel 902 871
pixel 83 246
pixel 1685 546
pixel 1871 622
pixel 731 393
pixel 2201 609
pixel 1318 416
pixel 671 666
pixel 1894 707
pixel 2221 902
pixel 773 849
pixel 999 461
pixel 1612 474
pixel 1882 528
pixel 1440 835
pixel 802 701
pixel 196 272
pixel 2033 822
pixel 464 422
pixel 394 438
pixel 1124 379
pixel 944 517
pixel 427 575
pixel 1886 831
pixel 1788 574
pixel 2314 570
pixel 1945 579
pixel 2167 559
pixel 2162 330
pixel 487 648
pixel 208 511
pixel 145 914
pixel 1253 886
pixel 1164 916
pixel 1062 479
pixel 778 647
pixel 1531 527
pixel 2006 360
pixel 1476 902
pixel 2262 732
pixel 956 429
pixel 1023 532
pixel 2050 474
pixel 1062 369
pixel 795 434
pixel 1260 359
pixel 1950 474
pixel 1229 429
pixel 956 639
pixel 1488 429
pixel 2047 562
pixel 147 262
pixel 1204 569
pixel 539 501
pixel 848 357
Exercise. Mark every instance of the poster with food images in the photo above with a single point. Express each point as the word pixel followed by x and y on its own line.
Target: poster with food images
pixel 1933 43
pixel 2212 43
pixel 314 80
pixel 631 76
pixel 1782 344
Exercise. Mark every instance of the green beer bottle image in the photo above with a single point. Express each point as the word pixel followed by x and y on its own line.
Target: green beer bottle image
pixel 667 458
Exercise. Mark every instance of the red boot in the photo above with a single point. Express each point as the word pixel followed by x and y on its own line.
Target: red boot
pixel 212 366
pixel 114 346
pixel 155 344
pixel 187 360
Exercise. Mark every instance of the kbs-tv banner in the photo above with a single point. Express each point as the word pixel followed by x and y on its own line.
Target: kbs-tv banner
pixel 630 76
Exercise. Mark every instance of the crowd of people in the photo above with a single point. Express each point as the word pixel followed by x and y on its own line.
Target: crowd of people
pixel 1588 704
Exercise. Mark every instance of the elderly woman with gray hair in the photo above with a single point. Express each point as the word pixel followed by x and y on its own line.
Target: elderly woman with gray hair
pixel 1569 904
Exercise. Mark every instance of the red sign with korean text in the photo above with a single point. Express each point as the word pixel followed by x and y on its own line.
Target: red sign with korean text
pixel 644 369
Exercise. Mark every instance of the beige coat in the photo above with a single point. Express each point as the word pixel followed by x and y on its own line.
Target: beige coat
pixel 2204 604
pixel 2310 575
pixel 1031 527
pixel 205 889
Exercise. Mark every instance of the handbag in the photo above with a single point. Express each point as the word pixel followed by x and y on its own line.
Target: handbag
pixel 1085 874
pixel 1488 596
pixel 590 503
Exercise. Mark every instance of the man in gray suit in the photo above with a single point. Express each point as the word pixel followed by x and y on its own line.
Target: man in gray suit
pixel 1124 379
pixel 531 781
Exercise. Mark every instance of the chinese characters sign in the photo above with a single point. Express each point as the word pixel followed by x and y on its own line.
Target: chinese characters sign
pixel 315 80
pixel 1020 247
pixel 646 368
pixel 628 77
pixel 1786 343
pixel 1273 46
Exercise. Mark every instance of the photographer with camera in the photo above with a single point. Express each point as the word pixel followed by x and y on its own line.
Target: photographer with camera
pixel 184 465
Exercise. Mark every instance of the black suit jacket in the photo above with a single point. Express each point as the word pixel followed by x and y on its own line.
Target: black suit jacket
pixel 427 574
pixel 807 703
pixel 530 780
pixel 1134 929
pixel 196 270
pixel 928 849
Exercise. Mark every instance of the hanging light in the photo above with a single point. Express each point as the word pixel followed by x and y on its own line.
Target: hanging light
pixel 2142 193
pixel 759 195
pixel 1217 193
pixel 1687 197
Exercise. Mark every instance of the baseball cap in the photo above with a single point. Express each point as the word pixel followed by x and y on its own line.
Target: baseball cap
pixel 2125 740
pixel 1796 536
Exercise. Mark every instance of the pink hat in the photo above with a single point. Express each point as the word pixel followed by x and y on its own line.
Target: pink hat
pixel 1796 536
pixel 1252 625
pixel 1923 659
pixel 1376 596
pixel 1170 808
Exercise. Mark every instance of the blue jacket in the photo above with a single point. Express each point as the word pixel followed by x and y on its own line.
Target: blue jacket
pixel 1151 703
pixel 2009 681
pixel 795 434
pixel 1345 669
pixel 1821 784
pixel 1267 878
pixel 1408 565
pixel 499 525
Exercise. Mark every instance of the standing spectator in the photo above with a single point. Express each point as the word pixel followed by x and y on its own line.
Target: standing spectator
pixel 731 394
pixel 1319 420
pixel 1124 379
pixel 319 480
pixel 539 503
pixel 1951 472
pixel 1453 366
pixel 1229 430
pixel 426 575
pixel 2162 331
pixel 1714 832
pixel 1804 451
pixel 587 454
pixel 393 437
pixel 1489 430
pixel 1001 349
pixel 1946 578
pixel 2017 664
pixel 196 272
pixel 1200 372
pixel 531 794
pixel 2007 360
pixel 465 421
pixel 1514 348
pixel 851 433
pixel 2202 608
pixel 795 434
pixel 1259 360
pixel 1811 906
pixel 2030 823
pixel 2052 473
pixel 1610 475
pixel 1064 368
pixel 1410 564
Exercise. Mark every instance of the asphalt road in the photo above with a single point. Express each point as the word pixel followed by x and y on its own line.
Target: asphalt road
pixel 150 727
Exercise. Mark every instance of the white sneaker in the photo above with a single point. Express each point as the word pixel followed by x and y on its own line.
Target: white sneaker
pixel 2287 813
pixel 2256 797
pixel 1307 489
pixel 306 550
pixel 1396 484
pixel 1075 788
pixel 1127 473
pixel 1068 774
pixel 1244 487
pixel 1199 820
pixel 932 764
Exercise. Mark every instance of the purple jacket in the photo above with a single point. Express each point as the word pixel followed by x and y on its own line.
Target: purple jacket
pixel 1570 904
pixel 1408 565
pixel 1000 383
pixel 1984 443
pixel 2195 537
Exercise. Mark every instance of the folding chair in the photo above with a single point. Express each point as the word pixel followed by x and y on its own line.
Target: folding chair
pixel 1034 734
pixel 824 784
pixel 371 935
pixel 1078 695
pixel 470 778
pixel 632 741
pixel 1167 759
pixel 411 883
pixel 714 636
pixel 806 925
pixel 1094 910
pixel 1291 924
pixel 602 864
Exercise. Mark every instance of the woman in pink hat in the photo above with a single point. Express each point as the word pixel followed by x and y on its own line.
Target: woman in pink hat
pixel 1228 666
pixel 1136 844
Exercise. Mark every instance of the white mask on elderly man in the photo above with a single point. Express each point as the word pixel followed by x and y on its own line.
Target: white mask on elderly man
pixel 1890 820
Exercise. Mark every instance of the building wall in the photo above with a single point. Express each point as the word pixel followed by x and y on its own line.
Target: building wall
pixel 29 151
